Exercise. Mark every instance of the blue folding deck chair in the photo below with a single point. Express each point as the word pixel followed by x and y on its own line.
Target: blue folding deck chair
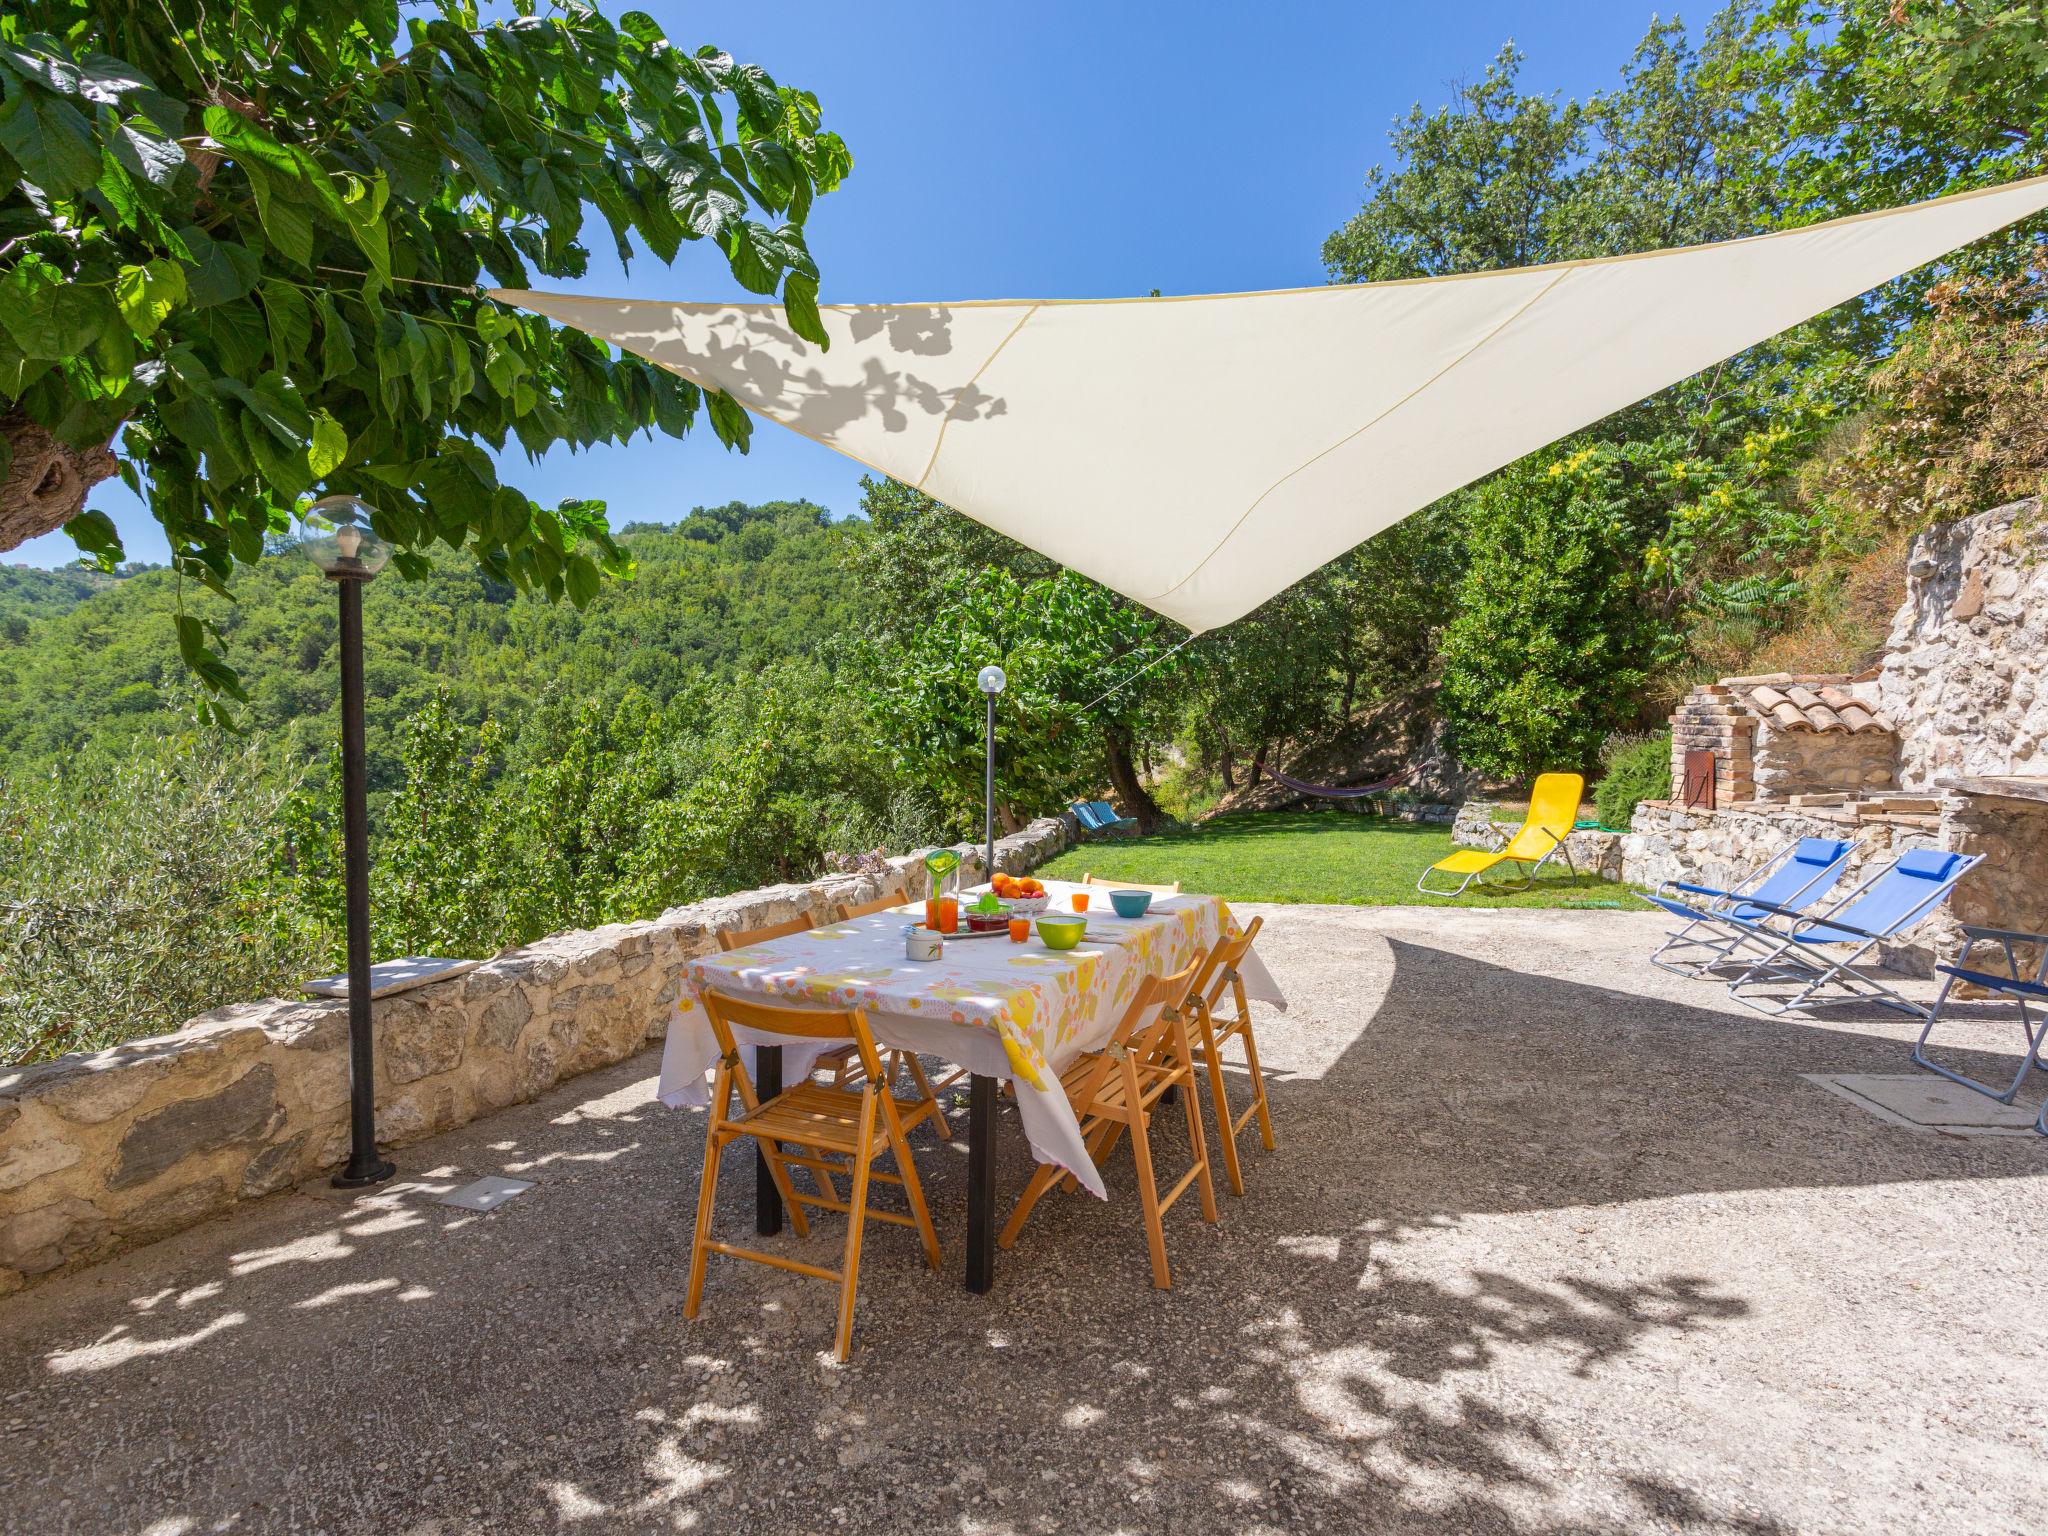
pixel 1793 879
pixel 2013 986
pixel 1883 906
pixel 1100 816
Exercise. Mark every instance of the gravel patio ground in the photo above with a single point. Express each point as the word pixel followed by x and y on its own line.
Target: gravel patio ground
pixel 1553 1243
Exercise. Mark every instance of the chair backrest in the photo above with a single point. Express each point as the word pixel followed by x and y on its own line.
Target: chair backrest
pixel 794 1023
pixel 739 938
pixel 848 911
pixel 1104 882
pixel 1553 809
pixel 1224 956
pixel 1106 811
pixel 1811 871
pixel 1085 814
pixel 1909 888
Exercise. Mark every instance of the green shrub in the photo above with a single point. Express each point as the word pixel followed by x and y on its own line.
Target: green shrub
pixel 141 894
pixel 1636 768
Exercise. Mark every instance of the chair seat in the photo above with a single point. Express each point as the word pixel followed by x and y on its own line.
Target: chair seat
pixel 1469 861
pixel 813 1113
pixel 1992 981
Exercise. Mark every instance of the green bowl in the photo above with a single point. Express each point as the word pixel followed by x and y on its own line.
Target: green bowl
pixel 1062 932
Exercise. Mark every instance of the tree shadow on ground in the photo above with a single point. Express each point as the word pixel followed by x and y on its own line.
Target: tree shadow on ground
pixel 1413 1321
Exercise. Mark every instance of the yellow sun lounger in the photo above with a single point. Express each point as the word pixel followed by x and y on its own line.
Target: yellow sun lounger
pixel 1553 808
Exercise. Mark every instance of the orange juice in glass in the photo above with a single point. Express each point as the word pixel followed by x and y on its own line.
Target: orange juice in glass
pixel 931 913
pixel 1080 901
pixel 949 915
pixel 1020 929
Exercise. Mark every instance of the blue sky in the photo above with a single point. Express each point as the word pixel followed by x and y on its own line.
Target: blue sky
pixel 1053 150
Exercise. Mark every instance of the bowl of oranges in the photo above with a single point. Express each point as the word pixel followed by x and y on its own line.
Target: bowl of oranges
pixel 1021 895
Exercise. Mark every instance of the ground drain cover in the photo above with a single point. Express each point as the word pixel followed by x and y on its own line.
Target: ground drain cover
pixel 486 1194
pixel 1925 1102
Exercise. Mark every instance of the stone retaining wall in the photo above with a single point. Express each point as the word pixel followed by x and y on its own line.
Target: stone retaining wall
pixel 104 1150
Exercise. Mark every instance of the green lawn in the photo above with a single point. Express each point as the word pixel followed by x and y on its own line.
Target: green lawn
pixel 1327 857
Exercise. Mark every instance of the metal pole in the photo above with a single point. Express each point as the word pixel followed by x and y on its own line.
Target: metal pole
pixel 364 1165
pixel 988 825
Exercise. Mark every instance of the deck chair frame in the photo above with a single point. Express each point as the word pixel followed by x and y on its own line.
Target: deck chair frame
pixel 1560 847
pixel 1788 957
pixel 1725 939
pixel 2015 987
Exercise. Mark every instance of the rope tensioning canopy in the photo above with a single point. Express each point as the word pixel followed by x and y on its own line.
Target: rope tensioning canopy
pixel 1200 454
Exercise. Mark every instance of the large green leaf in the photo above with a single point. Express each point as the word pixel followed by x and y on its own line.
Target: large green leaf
pixel 48 318
pixel 147 294
pixel 50 139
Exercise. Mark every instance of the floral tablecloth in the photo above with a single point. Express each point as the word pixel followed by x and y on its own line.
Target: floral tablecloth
pixel 1020 1012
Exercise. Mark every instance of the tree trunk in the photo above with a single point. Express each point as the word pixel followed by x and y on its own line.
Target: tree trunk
pixel 47 481
pixel 1130 789
pixel 1226 760
pixel 1350 691
pixel 1259 762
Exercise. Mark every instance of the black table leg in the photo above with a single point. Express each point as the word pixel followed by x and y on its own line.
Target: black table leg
pixel 981 1185
pixel 767 1198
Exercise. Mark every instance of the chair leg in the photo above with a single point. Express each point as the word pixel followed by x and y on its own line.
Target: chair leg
pixel 1212 1059
pixel 1251 1058
pixel 913 1189
pixel 1148 1183
pixel 707 1197
pixel 1199 1142
pixel 778 1170
pixel 1042 1180
pixel 849 1269
pixel 924 1087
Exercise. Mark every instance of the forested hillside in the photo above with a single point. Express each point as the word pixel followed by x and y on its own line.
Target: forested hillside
pixel 723 594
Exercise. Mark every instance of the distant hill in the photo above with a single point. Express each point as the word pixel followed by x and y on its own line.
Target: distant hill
pixel 28 593
pixel 728 589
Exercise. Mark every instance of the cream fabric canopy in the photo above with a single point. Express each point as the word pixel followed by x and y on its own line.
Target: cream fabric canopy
pixel 1201 454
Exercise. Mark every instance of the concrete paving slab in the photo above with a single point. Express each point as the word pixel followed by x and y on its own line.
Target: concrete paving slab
pixel 1923 1102
pixel 485 1194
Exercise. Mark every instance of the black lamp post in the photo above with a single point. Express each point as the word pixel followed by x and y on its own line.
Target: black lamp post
pixel 991 681
pixel 339 540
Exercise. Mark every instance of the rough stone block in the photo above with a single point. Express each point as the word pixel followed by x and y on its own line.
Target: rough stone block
pixel 419 1037
pixel 246 1111
pixel 39 1240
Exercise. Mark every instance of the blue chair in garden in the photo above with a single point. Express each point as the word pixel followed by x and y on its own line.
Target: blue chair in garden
pixel 1793 879
pixel 2013 985
pixel 1818 954
pixel 1099 816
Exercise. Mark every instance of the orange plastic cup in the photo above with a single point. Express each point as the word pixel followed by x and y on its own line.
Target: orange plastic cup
pixel 1080 901
pixel 1020 929
pixel 949 915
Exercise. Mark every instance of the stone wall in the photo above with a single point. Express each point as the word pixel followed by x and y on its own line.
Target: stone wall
pixel 1962 674
pixel 1804 762
pixel 104 1150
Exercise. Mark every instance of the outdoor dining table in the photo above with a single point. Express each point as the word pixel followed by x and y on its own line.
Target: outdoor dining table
pixel 1007 1012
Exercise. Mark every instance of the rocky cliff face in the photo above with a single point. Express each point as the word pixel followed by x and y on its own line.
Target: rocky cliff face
pixel 1963 667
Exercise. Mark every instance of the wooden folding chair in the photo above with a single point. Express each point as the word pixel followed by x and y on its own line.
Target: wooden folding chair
pixel 816 1119
pixel 1115 1090
pixel 885 902
pixel 1211 1034
pixel 730 939
pixel 1102 881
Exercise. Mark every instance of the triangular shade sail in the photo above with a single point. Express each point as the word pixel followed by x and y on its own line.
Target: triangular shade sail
pixel 1201 454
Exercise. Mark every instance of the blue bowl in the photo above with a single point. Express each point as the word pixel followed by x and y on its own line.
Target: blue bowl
pixel 1130 903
